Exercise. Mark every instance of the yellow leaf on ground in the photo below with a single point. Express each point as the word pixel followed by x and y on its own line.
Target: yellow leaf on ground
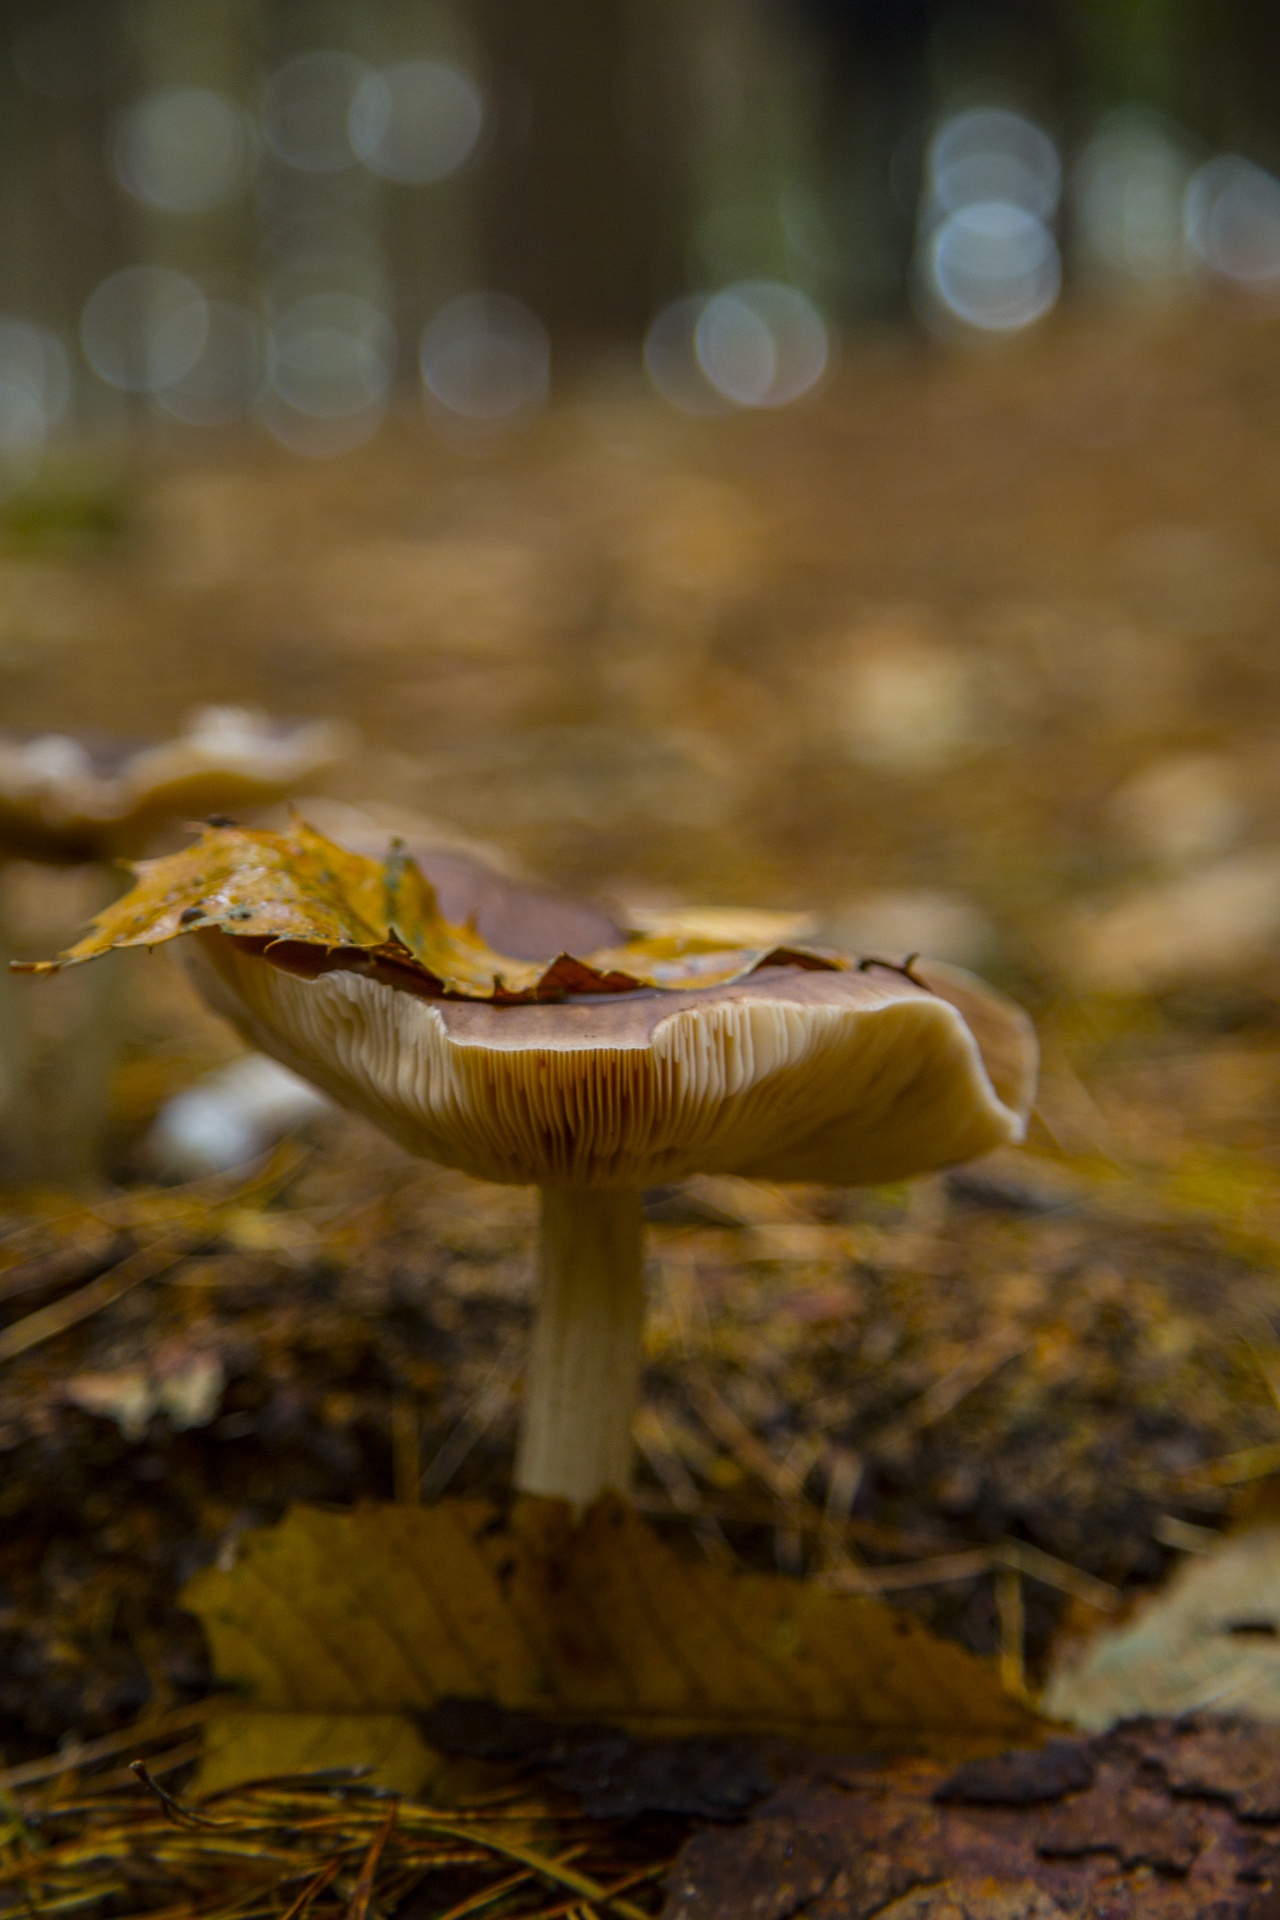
pixel 389 1609
pixel 241 1744
pixel 1208 1641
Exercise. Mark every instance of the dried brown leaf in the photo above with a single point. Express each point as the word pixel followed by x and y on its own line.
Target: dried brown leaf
pixel 1210 1639
pixel 389 1609
pixel 241 1744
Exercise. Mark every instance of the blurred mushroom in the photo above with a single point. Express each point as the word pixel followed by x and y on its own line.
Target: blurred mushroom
pixel 1180 810
pixel 74 798
pixel 591 1078
pixel 229 1117
pixel 78 801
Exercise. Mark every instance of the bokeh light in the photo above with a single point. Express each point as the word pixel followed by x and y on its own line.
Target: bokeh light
pixel 1233 221
pixel 306 108
pixel 23 430
pixel 182 149
pixel 734 345
pixel 486 357
pixel 227 378
pixel 995 266
pixel 671 358
pixel 1131 183
pixel 990 154
pixel 35 391
pixel 761 344
pixel 35 380
pixel 333 355
pixel 909 706
pixel 144 328
pixel 988 257
pixel 319 436
pixel 416 121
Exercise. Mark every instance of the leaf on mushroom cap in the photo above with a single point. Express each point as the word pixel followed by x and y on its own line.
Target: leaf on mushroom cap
pixel 310 903
pixel 472 879
pixel 644 1062
pixel 726 926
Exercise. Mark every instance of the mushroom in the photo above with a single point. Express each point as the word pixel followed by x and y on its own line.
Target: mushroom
pixel 88 800
pixel 590 1078
pixel 72 798
pixel 234 1113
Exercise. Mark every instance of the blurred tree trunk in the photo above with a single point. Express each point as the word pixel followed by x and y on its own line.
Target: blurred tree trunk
pixel 755 170
pixel 202 43
pixel 60 213
pixel 874 102
pixel 888 68
pixel 583 205
pixel 430 232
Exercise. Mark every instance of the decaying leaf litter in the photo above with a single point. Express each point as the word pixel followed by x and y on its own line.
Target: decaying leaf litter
pixel 1176 1819
pixel 688 698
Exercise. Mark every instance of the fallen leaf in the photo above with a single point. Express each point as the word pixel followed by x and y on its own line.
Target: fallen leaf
pixel 386 1747
pixel 1211 1638
pixel 724 926
pixel 309 905
pixel 391 1609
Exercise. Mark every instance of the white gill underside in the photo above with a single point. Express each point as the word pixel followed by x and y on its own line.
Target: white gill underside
pixel 843 1094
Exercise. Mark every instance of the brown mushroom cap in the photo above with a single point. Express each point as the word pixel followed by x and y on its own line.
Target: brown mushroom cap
pixel 849 1077
pixel 66 797
pixel 517 917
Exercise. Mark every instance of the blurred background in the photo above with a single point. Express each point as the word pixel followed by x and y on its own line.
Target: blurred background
pixel 813 456
pixel 644 421
pixel 808 455
pixel 309 215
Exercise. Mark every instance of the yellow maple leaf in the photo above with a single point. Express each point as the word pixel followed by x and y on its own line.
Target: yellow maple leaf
pixel 308 904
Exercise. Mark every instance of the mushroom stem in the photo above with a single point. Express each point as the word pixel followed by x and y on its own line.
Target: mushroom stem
pixel 584 1372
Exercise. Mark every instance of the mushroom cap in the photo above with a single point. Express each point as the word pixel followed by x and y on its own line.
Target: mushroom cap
pixel 473 884
pixel 68 797
pixel 849 1077
pixel 638 1063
